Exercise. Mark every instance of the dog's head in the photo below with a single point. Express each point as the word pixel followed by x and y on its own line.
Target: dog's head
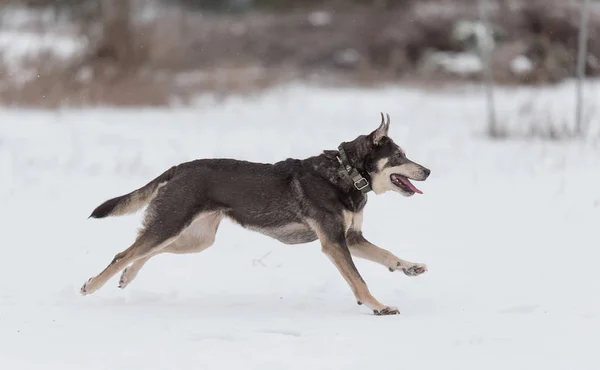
pixel 385 162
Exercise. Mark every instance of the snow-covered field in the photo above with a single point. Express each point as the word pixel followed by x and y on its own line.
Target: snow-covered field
pixel 509 231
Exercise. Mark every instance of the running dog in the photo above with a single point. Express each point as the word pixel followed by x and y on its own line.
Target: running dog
pixel 294 201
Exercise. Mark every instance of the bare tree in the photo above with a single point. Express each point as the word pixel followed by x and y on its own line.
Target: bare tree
pixel 581 63
pixel 117 38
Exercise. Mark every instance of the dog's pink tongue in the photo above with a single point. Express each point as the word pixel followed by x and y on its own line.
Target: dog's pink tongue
pixel 407 182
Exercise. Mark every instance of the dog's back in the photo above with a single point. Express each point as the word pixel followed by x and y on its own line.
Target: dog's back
pixel 252 194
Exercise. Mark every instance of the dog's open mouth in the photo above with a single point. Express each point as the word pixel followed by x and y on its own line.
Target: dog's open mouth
pixel 404 183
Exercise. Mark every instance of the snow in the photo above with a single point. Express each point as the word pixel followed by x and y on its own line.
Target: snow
pixel 320 18
pixel 27 35
pixel 508 230
pixel 521 65
pixel 20 45
pixel 457 63
pixel 14 16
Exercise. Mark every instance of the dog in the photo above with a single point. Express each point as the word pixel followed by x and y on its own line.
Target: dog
pixel 294 201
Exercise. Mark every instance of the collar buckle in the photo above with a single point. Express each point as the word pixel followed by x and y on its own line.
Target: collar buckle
pixel 361 183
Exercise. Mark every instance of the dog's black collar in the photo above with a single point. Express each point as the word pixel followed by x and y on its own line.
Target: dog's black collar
pixel 359 181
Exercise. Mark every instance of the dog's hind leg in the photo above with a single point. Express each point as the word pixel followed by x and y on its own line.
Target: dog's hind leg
pixel 163 224
pixel 197 237
pixel 142 247
pixel 362 248
pixel 130 272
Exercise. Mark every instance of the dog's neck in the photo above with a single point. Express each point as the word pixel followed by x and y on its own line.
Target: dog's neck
pixel 360 181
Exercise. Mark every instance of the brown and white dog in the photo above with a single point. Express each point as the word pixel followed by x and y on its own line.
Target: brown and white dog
pixel 294 201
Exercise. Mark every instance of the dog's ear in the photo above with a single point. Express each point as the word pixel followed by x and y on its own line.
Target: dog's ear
pixel 382 130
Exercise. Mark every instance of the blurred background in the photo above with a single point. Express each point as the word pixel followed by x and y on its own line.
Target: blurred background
pixel 152 52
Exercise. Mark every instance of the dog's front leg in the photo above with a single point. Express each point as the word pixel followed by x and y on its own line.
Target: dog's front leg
pixel 362 248
pixel 335 247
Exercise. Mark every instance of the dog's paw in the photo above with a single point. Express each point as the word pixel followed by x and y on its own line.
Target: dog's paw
pixel 124 280
pixel 84 290
pixel 415 269
pixel 387 311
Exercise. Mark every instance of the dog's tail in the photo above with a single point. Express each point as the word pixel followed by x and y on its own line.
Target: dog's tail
pixel 132 202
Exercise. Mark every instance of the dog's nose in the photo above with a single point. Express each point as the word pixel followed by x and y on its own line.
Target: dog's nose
pixel 426 171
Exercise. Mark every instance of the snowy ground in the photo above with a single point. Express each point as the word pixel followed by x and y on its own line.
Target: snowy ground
pixel 507 229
